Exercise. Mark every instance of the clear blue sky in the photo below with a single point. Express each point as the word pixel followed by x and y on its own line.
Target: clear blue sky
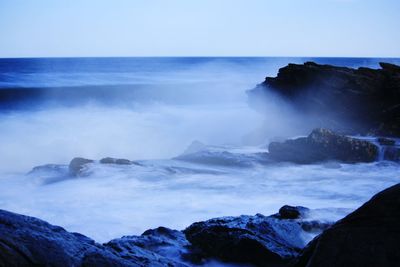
pixel 200 28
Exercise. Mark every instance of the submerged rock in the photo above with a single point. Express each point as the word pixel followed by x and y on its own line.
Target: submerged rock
pixel 367 237
pixel 323 145
pixel 359 100
pixel 109 160
pixel 259 240
pixel 77 166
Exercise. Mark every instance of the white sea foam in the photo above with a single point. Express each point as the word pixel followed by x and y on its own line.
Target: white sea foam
pixel 112 201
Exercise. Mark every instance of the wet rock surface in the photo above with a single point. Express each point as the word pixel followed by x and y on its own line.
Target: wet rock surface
pixel 109 160
pixel 259 240
pixel 367 237
pixel 27 241
pixel 291 212
pixel 323 145
pixel 340 96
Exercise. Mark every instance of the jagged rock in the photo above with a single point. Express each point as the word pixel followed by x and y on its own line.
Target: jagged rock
pixel 116 161
pixel 77 166
pixel 359 100
pixel 290 212
pixel 170 246
pixel 323 145
pixel 27 241
pixel 259 240
pixel 367 237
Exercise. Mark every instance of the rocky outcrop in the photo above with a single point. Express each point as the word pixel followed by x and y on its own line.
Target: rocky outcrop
pixel 359 100
pixel 367 237
pixel 259 240
pixel 290 212
pixel 78 165
pixel 163 244
pixel 27 241
pixel 323 145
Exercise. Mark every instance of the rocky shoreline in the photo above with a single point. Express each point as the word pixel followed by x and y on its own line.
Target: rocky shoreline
pixel 366 237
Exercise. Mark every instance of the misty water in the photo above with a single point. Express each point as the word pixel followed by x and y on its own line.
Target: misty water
pixel 152 110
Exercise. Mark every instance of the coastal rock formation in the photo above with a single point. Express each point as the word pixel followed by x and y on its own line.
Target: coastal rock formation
pixel 290 212
pixel 259 240
pixel 163 244
pixel 323 145
pixel 367 237
pixel 27 241
pixel 77 166
pixel 356 101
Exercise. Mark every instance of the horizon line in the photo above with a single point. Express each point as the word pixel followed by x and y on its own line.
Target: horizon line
pixel 191 56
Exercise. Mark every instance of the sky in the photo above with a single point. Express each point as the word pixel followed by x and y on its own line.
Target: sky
pixel 331 28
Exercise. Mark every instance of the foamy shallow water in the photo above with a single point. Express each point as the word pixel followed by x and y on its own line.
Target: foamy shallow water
pixel 112 200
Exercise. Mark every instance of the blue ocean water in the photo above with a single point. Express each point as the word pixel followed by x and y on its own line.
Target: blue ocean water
pixel 70 81
pixel 152 110
pixel 58 72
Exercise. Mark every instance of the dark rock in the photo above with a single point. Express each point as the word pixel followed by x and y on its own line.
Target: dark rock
pixel 290 212
pixel 169 246
pixel 359 100
pixel 323 145
pixel 116 161
pixel 367 237
pixel 27 241
pixel 386 141
pixel 392 153
pixel 77 166
pixel 259 240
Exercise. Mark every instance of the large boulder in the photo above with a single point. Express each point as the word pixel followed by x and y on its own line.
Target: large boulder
pixel 323 145
pixel 165 245
pixel 259 240
pixel 27 241
pixel 367 237
pixel 359 100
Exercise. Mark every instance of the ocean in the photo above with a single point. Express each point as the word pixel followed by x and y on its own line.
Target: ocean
pixel 152 110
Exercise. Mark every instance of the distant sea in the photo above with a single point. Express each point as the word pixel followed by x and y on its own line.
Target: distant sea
pixel 73 81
